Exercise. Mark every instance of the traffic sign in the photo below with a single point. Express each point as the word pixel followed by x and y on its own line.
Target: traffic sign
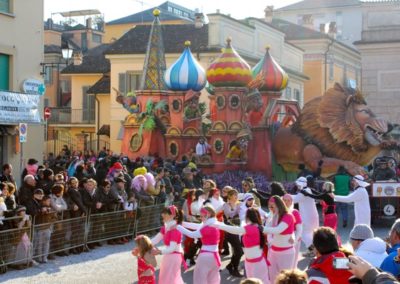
pixel 47 113
pixel 23 129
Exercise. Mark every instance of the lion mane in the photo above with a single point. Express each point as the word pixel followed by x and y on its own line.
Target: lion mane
pixel 329 123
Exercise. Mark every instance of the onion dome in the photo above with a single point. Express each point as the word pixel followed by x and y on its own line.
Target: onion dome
pixel 229 69
pixel 272 77
pixel 186 73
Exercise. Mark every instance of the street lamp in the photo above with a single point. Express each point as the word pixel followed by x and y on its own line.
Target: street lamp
pixel 66 51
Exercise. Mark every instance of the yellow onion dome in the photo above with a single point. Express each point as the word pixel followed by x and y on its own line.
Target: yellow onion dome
pixel 273 77
pixel 229 69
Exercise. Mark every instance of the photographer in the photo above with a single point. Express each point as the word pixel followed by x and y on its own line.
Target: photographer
pixel 367 273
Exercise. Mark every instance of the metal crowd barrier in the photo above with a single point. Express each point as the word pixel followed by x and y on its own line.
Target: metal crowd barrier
pixel 19 246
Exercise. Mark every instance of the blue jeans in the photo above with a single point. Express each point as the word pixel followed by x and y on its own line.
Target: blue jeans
pixel 342 209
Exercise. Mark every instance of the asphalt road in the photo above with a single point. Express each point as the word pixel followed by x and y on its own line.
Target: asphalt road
pixel 115 264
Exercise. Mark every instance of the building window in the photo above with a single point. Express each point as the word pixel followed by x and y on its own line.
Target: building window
pixel 297 95
pixel 48 75
pixel 65 86
pixel 88 106
pixel 178 12
pixel 185 14
pixel 4 72
pixel 129 81
pixel 331 71
pixel 169 9
pixel 46 102
pixel 288 93
pixel 5 6
pixel 96 38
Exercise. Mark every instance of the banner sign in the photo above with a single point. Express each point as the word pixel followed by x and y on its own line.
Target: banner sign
pixel 16 108
pixel 33 87
pixel 386 189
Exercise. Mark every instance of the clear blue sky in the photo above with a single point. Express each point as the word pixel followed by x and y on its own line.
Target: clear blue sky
pixel 114 9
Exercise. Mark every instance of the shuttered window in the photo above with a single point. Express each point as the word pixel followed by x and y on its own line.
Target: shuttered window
pixel 5 6
pixel 4 72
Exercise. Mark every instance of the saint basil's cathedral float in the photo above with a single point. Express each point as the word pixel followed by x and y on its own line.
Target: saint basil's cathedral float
pixel 167 118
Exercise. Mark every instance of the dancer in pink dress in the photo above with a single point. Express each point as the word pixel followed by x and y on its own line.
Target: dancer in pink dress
pixel 298 226
pixel 281 238
pixel 170 268
pixel 253 241
pixel 146 261
pixel 208 262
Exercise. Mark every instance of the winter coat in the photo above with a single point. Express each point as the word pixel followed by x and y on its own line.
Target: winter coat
pixel 372 250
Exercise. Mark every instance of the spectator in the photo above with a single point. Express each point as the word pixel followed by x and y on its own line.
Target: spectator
pixel 389 264
pixel 79 172
pixel 26 190
pixel 33 204
pixel 203 148
pixel 101 171
pixel 6 175
pixel 366 246
pixel 321 269
pixel 88 194
pixel 77 210
pixel 45 218
pixel 30 168
pixel 291 277
pixel 46 183
pixel 59 205
pixel 367 273
pixel 360 197
pixel 9 197
pixel 23 253
pixel 139 187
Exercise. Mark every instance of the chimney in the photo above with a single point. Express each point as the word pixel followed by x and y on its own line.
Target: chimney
pixel 332 29
pixel 49 24
pixel 77 58
pixel 268 14
pixel 89 23
pixel 308 21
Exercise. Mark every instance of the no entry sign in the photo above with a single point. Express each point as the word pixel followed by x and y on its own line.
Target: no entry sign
pixel 47 113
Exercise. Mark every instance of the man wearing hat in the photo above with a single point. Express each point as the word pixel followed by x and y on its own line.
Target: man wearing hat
pixel 366 246
pixel 308 212
pixel 362 210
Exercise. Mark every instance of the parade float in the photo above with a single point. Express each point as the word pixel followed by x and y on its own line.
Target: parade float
pixel 167 116
pixel 248 126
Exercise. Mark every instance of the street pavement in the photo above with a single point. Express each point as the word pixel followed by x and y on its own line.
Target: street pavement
pixel 115 264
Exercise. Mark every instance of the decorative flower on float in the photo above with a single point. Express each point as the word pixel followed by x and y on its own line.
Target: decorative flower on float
pixel 268 74
pixel 186 73
pixel 229 69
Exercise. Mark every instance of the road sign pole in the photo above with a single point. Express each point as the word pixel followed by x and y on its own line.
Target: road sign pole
pixel 46 137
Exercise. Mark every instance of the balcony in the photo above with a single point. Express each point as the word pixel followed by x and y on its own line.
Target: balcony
pixel 72 116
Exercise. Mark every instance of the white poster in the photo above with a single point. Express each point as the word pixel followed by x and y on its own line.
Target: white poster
pixel 16 108
pixel 386 189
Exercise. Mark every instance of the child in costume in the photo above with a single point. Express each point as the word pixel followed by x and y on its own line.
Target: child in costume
pixel 146 262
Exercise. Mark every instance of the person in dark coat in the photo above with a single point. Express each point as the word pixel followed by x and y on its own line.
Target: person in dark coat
pixel 26 191
pixel 47 182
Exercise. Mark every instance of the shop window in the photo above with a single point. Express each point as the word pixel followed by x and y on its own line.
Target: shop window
pixel 5 72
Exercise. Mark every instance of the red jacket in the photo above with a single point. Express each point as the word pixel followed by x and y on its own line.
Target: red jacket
pixel 321 270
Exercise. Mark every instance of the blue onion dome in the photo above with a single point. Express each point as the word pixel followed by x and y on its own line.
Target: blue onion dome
pixel 186 73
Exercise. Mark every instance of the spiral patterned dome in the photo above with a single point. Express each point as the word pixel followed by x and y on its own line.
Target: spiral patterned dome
pixel 273 78
pixel 229 69
pixel 186 73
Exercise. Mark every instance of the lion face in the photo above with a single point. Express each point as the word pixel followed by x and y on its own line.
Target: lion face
pixel 373 127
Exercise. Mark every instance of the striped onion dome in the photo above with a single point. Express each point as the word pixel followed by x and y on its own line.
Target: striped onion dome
pixel 186 73
pixel 229 69
pixel 273 77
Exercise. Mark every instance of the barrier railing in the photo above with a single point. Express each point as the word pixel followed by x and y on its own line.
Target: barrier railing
pixel 20 246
